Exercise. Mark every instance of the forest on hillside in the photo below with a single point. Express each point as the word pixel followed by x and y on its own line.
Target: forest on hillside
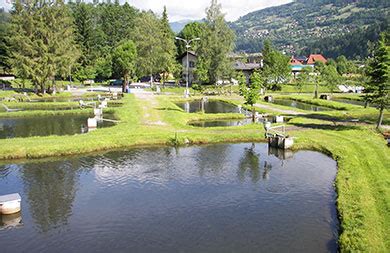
pixel 333 27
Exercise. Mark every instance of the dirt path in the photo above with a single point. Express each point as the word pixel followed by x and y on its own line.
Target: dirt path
pixel 149 105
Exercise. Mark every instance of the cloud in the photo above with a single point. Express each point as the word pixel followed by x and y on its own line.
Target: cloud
pixel 194 9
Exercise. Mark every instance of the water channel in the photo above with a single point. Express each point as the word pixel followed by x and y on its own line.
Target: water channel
pixel 301 105
pixel 46 125
pixel 217 198
pixel 209 107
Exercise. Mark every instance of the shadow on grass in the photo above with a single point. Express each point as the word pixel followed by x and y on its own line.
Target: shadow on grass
pixel 333 127
pixel 169 109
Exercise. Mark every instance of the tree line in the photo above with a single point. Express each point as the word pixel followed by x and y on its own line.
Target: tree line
pixel 49 40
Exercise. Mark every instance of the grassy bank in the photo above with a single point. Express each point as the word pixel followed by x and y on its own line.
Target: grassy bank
pixel 362 183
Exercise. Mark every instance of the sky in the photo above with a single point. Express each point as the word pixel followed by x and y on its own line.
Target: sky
pixel 194 9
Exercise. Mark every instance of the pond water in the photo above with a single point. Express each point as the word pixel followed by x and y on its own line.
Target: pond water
pixel 301 105
pixel 223 123
pixel 348 101
pixel 45 125
pixel 217 198
pixel 209 107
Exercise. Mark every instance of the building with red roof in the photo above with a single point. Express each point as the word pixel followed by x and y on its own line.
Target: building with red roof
pixel 313 58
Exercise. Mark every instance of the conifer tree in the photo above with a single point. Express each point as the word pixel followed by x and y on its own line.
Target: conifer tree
pixel 42 41
pixel 168 61
pixel 217 42
pixel 378 85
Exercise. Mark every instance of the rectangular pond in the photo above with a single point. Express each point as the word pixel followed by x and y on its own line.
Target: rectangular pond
pixel 301 105
pixel 212 106
pixel 217 198
pixel 45 126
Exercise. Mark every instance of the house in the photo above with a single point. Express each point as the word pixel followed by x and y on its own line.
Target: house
pixel 245 63
pixel 313 58
pixel 192 59
pixel 246 68
pixel 297 64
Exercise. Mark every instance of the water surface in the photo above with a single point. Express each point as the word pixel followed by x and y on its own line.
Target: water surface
pixel 45 126
pixel 212 106
pixel 217 198
pixel 300 105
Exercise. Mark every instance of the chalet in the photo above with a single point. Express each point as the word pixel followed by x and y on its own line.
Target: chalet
pixel 297 64
pixel 246 68
pixel 192 59
pixel 313 58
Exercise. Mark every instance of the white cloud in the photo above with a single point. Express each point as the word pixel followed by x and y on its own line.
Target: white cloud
pixel 194 9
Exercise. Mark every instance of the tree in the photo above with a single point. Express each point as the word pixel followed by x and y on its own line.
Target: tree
pixel 147 36
pixel 42 40
pixel 276 67
pixel 378 71
pixel 124 58
pixel 242 83
pixel 344 66
pixel 304 78
pixel 103 67
pixel 216 43
pixel 168 61
pixel 4 43
pixel 331 77
pixel 318 70
pixel 252 93
pixel 190 31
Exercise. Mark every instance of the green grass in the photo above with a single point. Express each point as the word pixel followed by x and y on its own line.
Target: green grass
pixel 362 183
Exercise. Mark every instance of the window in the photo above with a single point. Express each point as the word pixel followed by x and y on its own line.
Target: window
pixel 192 64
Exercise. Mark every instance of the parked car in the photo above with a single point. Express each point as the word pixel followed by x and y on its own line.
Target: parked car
pixel 117 82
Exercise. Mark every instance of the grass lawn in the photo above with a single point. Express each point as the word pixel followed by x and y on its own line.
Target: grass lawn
pixel 362 183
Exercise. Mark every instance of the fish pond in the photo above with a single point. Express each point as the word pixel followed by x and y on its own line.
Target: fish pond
pixel 45 126
pixel 212 106
pixel 300 105
pixel 216 198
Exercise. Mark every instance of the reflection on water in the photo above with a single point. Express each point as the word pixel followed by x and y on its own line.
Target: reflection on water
pixel 217 198
pixel 208 107
pixel 300 105
pixel 44 126
pixel 52 188
pixel 11 221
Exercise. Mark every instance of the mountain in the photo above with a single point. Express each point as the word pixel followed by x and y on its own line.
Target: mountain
pixel 179 25
pixel 331 27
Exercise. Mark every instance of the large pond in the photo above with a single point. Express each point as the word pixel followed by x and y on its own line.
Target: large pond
pixel 45 125
pixel 301 105
pixel 212 106
pixel 217 198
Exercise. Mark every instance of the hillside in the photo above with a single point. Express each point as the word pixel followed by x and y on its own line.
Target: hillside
pixel 331 27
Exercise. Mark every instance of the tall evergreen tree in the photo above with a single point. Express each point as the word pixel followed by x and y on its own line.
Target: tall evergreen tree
pixel 217 42
pixel 168 61
pixel 378 86
pixel 42 41
pixel 5 66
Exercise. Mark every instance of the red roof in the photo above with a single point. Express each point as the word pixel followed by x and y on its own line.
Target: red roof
pixel 313 58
